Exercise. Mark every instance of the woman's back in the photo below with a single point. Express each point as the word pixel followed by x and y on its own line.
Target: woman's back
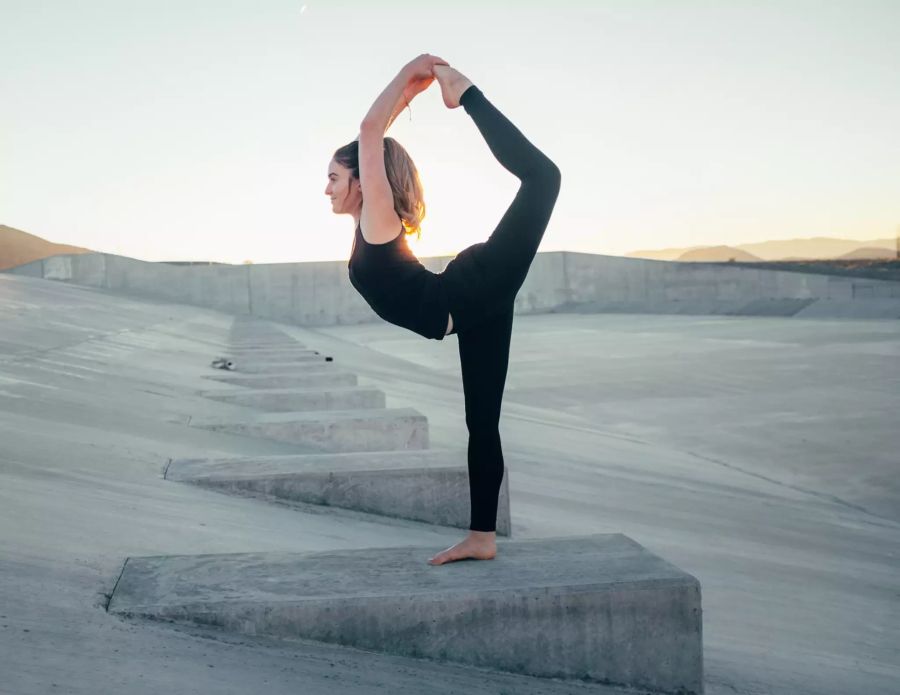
pixel 397 286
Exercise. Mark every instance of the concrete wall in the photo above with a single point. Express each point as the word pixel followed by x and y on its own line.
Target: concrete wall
pixel 320 293
pixel 610 283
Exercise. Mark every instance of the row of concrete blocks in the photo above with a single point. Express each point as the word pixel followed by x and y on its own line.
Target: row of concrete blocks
pixel 374 459
pixel 599 608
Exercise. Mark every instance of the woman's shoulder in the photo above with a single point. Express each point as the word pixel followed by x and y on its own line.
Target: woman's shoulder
pixel 377 232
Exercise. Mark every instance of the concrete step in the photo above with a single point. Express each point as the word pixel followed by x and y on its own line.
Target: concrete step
pixel 383 429
pixel 254 343
pixel 274 381
pixel 598 607
pixel 299 399
pixel 271 352
pixel 430 485
pixel 266 367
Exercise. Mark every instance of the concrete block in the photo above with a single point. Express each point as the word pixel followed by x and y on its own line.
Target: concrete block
pixel 298 399
pixel 430 485
pixel 295 379
pixel 384 429
pixel 598 607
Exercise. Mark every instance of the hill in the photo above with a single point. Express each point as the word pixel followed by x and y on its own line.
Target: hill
pixel 717 254
pixel 867 252
pixel 18 247
pixel 813 248
pixel 661 254
pixel 777 250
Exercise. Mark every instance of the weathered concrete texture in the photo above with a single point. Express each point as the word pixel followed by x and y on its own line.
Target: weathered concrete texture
pixel 258 366
pixel 604 284
pixel 715 442
pixel 273 343
pixel 385 429
pixel 277 358
pixel 269 353
pixel 284 342
pixel 754 307
pixel 317 294
pixel 598 607
pixel 294 379
pixel 252 336
pixel 431 485
pixel 214 286
pixel 871 308
pixel 297 399
pixel 245 328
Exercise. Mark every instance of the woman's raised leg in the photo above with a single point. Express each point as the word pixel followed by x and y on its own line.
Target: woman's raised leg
pixel 507 254
pixel 489 274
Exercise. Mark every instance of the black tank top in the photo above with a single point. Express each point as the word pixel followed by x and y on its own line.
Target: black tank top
pixel 397 286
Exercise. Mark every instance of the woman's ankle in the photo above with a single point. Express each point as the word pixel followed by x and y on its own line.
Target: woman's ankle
pixel 467 94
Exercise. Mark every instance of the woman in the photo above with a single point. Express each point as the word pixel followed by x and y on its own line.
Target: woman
pixel 374 180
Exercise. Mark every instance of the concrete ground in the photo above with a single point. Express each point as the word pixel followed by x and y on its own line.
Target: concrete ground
pixel 756 454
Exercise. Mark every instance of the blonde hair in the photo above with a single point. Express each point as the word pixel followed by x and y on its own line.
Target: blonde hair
pixel 409 202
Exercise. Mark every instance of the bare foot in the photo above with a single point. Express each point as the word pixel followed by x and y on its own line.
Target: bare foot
pixel 453 84
pixel 478 545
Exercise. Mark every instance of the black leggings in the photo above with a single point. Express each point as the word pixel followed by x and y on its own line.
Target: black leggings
pixel 482 283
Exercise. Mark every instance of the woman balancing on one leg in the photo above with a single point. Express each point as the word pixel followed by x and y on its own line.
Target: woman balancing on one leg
pixel 374 180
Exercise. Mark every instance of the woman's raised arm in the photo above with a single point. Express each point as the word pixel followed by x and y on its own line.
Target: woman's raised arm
pixel 378 217
pixel 413 78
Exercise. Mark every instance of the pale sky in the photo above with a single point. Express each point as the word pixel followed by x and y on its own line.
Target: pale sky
pixel 189 130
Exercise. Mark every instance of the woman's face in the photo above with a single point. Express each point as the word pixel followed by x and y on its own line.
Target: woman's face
pixel 343 189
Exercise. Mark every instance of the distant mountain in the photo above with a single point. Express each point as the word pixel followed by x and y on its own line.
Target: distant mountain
pixel 718 254
pixel 661 254
pixel 18 247
pixel 816 247
pixel 869 252
pixel 776 250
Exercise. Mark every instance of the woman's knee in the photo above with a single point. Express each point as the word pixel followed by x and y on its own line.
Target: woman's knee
pixel 541 192
pixel 551 179
pixel 546 172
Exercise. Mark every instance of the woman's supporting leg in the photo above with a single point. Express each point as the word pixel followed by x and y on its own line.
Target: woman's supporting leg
pixel 484 358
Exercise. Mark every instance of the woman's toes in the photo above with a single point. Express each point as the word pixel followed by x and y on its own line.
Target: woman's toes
pixel 463 550
pixel 440 558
